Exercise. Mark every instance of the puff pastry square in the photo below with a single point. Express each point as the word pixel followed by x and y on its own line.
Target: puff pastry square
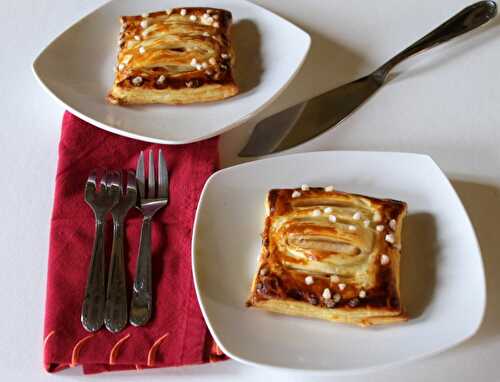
pixel 330 255
pixel 177 56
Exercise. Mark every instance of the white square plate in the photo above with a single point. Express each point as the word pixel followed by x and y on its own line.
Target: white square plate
pixel 78 69
pixel 443 286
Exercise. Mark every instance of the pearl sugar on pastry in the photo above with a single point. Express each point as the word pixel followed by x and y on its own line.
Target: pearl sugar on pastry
pixel 384 259
pixel 309 280
pixel 327 294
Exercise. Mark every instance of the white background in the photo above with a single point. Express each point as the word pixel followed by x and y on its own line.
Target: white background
pixel 445 103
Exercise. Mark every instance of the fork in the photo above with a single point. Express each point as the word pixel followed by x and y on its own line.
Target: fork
pixel 115 313
pixel 142 294
pixel 101 202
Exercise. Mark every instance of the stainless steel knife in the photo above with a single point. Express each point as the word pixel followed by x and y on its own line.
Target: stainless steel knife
pixel 306 120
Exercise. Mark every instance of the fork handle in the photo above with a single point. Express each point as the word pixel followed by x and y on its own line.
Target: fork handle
pixel 93 304
pixel 142 295
pixel 115 314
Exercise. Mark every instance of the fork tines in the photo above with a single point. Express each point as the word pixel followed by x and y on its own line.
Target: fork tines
pixel 109 183
pixel 150 202
pixel 153 190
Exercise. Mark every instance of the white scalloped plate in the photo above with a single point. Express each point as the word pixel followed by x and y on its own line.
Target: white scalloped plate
pixel 443 285
pixel 77 68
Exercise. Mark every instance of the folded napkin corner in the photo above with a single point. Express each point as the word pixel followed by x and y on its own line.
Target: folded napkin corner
pixel 177 334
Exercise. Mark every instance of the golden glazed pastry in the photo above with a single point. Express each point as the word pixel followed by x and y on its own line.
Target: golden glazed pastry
pixel 177 56
pixel 330 255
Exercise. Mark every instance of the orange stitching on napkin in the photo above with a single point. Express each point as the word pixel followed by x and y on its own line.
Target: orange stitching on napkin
pixel 114 349
pixel 154 349
pixel 76 350
pixel 60 367
pixel 47 338
pixel 216 349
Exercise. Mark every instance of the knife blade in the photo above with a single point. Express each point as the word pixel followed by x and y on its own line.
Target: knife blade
pixel 307 120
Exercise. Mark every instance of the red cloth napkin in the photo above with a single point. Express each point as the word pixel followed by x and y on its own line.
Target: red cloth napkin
pixel 177 334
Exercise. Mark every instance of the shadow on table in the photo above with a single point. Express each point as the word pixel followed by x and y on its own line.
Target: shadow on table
pixel 482 203
pixel 247 45
pixel 328 64
pixel 418 263
pixel 207 370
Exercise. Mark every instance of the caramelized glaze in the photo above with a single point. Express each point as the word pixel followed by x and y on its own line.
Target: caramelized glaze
pixel 169 51
pixel 297 244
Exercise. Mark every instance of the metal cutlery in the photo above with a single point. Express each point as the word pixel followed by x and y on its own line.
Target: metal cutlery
pixel 149 203
pixel 306 120
pixel 116 309
pixel 101 201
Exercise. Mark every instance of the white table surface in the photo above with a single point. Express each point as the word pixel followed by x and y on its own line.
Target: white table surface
pixel 445 103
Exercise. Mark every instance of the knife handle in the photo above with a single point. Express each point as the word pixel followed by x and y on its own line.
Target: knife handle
pixel 466 20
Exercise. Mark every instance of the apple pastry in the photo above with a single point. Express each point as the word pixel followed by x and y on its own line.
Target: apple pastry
pixel 330 255
pixel 176 56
